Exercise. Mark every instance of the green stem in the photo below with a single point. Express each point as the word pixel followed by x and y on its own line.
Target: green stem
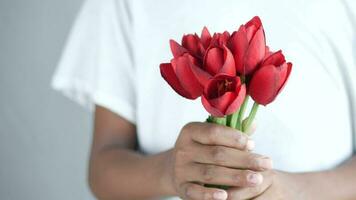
pixel 242 113
pixel 209 119
pixel 218 120
pixel 228 119
pixel 233 120
pixel 248 121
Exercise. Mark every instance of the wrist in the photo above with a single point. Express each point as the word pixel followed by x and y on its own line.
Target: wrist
pixel 165 174
pixel 316 185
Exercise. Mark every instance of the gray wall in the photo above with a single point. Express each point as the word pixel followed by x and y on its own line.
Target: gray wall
pixel 44 138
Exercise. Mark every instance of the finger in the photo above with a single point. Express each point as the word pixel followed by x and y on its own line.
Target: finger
pixel 252 192
pixel 213 134
pixel 218 175
pixel 193 191
pixel 263 196
pixel 233 158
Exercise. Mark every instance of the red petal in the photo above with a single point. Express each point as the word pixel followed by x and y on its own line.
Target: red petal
pixel 228 102
pixel 187 79
pixel 235 105
pixel 275 59
pixel 255 21
pixel 192 44
pixel 205 37
pixel 285 72
pixel 226 35
pixel 239 44
pixel 213 111
pixel 169 75
pixel 224 38
pixel 264 84
pixel 229 63
pixel 223 102
pixel 252 26
pixel 201 75
pixel 214 60
pixel 210 88
pixel 255 52
pixel 268 52
pixel 177 50
pixel 220 39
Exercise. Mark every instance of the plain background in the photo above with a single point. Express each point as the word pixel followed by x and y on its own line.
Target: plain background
pixel 44 137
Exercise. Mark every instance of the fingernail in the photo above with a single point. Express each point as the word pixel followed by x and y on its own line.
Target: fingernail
pixel 242 140
pixel 265 163
pixel 250 145
pixel 255 179
pixel 220 195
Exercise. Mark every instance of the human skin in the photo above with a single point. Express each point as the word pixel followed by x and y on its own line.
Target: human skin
pixel 203 154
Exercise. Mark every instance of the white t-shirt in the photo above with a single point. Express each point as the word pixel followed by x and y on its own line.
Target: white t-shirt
pixel 113 54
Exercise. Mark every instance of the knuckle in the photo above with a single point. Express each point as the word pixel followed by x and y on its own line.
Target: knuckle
pixel 215 129
pixel 238 136
pixel 242 139
pixel 208 172
pixel 188 127
pixel 213 134
pixel 218 154
pixel 178 172
pixel 252 160
pixel 181 156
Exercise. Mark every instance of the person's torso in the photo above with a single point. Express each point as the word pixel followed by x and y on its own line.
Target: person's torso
pixel 307 128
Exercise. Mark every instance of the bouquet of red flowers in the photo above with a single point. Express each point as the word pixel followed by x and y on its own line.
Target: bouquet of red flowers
pixel 225 70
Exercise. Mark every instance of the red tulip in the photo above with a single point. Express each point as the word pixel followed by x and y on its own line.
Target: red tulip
pixel 205 37
pixel 268 81
pixel 220 39
pixel 192 44
pixel 180 77
pixel 193 65
pixel 217 60
pixel 223 95
pixel 248 46
pixel 178 73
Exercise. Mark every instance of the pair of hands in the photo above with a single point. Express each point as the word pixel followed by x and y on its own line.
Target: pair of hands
pixel 217 155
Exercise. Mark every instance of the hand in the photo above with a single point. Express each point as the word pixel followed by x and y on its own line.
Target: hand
pixel 213 154
pixel 277 185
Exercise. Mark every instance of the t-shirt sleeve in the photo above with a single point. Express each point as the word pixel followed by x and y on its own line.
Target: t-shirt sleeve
pixel 97 65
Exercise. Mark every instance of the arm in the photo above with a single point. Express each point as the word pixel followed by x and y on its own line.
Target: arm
pixel 115 166
pixel 338 183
